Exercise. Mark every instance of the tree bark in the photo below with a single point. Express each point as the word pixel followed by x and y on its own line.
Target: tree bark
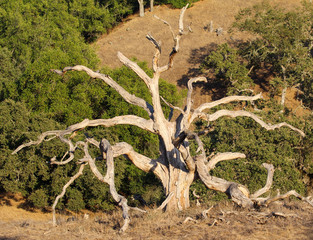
pixel 141 8
pixel 151 5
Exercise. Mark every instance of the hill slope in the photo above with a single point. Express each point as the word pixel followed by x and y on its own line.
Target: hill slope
pixel 129 37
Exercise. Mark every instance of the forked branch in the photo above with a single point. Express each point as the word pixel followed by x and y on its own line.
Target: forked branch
pixel 73 178
pixel 176 39
pixel 222 113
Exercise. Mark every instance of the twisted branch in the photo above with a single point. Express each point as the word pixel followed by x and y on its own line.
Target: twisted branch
pixel 241 113
pixel 130 98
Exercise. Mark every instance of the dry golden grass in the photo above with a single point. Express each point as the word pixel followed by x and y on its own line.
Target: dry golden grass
pixel 230 222
pixel 129 37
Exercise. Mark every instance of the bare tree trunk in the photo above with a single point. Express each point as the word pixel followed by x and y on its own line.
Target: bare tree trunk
pixel 179 184
pixel 283 96
pixel 141 8
pixel 151 5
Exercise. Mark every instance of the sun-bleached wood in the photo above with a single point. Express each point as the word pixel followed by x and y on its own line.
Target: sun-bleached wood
pixel 73 178
pixel 269 181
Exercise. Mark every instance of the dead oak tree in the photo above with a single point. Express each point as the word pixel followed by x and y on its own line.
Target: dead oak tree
pixel 175 167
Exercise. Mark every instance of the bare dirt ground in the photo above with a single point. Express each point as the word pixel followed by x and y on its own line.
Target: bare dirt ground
pixel 288 220
pixel 129 38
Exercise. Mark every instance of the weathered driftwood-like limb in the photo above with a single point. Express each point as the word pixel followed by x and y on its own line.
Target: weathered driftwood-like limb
pixel 127 119
pixel 134 66
pixel 40 139
pixel 228 99
pixel 172 106
pixel 223 157
pixel 130 98
pixel 176 39
pixel 156 57
pixel 266 202
pixel 194 194
pixel 237 192
pixel 107 152
pixel 165 202
pixel 189 219
pixel 222 113
pixel 205 212
pixel 142 162
pixel 269 181
pixel 73 178
pixel 166 23
pixel 198 112
pixel 240 195
pixel 189 94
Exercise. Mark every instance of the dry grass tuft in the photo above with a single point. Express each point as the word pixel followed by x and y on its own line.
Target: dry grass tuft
pixel 292 220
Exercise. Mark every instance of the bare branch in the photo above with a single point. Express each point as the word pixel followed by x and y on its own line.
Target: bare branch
pixel 205 212
pixel 181 18
pixel 172 106
pixel 127 119
pixel 156 57
pixel 107 152
pixel 190 89
pixel 142 162
pixel 130 98
pixel 169 25
pixel 73 178
pixel 176 40
pixel 286 195
pixel 134 66
pixel 222 113
pixel 223 157
pixel 269 181
pixel 165 202
pixel 189 219
pixel 198 112
pixel 41 138
pixel 225 100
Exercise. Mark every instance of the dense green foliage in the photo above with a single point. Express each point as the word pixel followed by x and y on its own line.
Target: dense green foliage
pixel 283 46
pixel 228 69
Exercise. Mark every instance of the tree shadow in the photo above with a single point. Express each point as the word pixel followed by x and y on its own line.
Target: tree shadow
pixel 212 87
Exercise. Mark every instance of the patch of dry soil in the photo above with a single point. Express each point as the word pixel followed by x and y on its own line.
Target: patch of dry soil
pixel 129 37
pixel 288 220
